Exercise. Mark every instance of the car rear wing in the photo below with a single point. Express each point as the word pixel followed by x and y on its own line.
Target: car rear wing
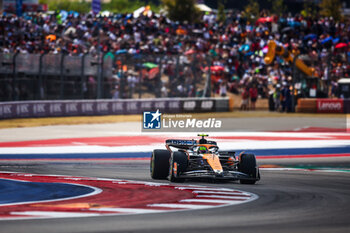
pixel 181 144
pixel 227 153
pixel 185 144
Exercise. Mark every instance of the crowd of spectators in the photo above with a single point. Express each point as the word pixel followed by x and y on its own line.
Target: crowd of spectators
pixel 237 45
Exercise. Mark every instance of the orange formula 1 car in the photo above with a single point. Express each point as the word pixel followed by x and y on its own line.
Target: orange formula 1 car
pixel 202 159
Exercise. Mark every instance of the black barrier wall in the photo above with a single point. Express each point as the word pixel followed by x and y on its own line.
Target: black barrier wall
pixel 347 106
pixel 26 109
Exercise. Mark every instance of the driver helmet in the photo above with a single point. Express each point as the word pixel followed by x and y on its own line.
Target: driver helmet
pixel 202 150
pixel 203 141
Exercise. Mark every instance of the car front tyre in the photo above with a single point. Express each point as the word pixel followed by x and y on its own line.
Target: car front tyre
pixel 248 166
pixel 160 164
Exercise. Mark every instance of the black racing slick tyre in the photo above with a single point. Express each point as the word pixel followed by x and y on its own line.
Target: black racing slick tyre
pixel 248 166
pixel 178 165
pixel 160 164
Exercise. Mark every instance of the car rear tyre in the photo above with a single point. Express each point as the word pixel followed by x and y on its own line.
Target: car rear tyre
pixel 178 165
pixel 160 164
pixel 248 166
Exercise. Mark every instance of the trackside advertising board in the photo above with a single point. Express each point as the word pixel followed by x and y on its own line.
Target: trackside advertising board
pixel 22 109
pixel 330 105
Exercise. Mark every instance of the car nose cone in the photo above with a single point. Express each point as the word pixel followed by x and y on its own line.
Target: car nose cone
pixel 219 173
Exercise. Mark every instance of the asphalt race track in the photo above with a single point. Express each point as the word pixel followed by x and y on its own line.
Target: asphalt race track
pixel 289 201
pixel 294 195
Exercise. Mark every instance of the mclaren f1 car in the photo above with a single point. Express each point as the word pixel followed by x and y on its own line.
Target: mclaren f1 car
pixel 202 159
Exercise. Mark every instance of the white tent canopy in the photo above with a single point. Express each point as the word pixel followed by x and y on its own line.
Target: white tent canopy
pixel 203 7
pixel 344 80
pixel 142 10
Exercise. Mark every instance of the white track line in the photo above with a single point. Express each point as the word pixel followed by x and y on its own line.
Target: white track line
pixel 55 214
pixel 223 197
pixel 228 144
pixel 211 201
pixel 203 188
pixel 232 193
pixel 128 210
pixel 181 206
pixel 305 169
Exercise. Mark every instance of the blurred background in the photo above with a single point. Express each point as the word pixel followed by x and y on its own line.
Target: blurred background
pixel 272 55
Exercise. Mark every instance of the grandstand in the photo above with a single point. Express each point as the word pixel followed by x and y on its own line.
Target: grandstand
pixel 71 55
